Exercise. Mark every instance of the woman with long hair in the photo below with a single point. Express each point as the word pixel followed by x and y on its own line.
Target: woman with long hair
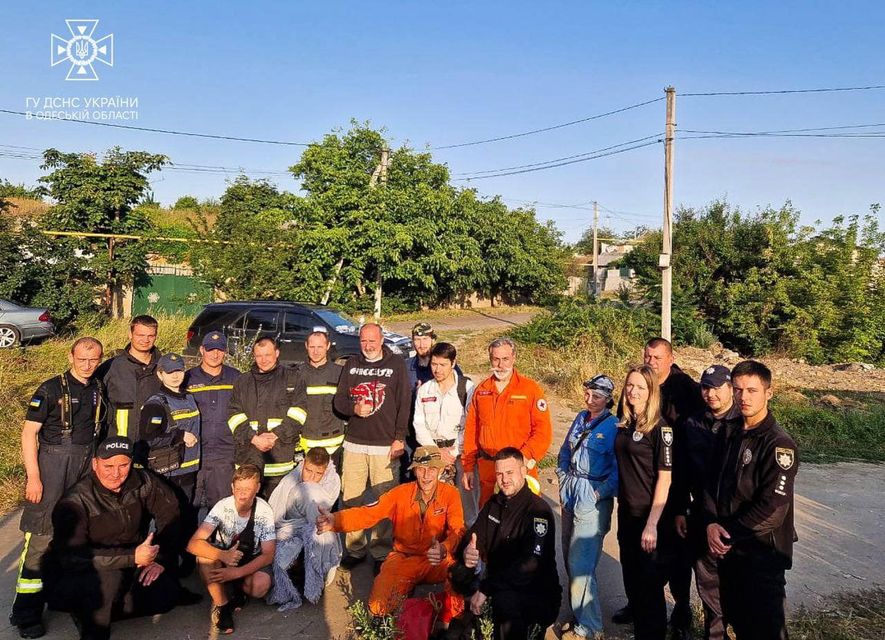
pixel 588 482
pixel 644 451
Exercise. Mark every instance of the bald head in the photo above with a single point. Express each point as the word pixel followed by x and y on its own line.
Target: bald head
pixel 371 340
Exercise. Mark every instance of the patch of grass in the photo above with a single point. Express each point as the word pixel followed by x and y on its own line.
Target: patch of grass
pixel 23 369
pixel 854 615
pixel 828 434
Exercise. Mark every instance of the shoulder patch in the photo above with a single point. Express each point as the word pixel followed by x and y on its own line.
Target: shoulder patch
pixel 541 404
pixel 540 526
pixel 785 457
pixel 35 402
pixel 157 420
pixel 667 435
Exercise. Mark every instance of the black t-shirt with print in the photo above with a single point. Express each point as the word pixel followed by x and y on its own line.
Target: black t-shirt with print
pixel 640 457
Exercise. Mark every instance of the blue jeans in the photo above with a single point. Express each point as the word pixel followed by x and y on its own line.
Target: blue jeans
pixel 583 533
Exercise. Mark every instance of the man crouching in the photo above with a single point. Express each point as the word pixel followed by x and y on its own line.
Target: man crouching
pixel 428 522
pixel 235 546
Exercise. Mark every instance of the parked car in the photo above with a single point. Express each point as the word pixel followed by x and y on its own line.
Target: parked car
pixel 20 324
pixel 289 323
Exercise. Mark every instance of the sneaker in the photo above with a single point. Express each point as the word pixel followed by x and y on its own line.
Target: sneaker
pixel 223 618
pixel 31 630
pixel 348 561
pixel 623 616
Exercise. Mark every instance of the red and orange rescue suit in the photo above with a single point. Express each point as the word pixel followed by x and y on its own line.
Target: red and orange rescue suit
pixel 413 534
pixel 516 417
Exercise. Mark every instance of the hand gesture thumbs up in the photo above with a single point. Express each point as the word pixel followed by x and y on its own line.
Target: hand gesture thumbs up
pixel 324 521
pixel 436 553
pixel 471 553
pixel 146 552
pixel 232 556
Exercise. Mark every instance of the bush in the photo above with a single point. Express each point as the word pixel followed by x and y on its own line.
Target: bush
pixel 186 202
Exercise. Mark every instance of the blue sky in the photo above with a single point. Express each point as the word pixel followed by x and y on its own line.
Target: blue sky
pixel 444 73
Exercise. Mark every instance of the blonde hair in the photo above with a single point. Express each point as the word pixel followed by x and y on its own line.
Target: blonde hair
pixel 646 421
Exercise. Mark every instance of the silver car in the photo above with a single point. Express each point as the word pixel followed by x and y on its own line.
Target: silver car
pixel 22 324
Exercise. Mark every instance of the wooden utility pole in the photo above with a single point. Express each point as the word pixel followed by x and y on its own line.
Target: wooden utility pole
pixel 385 161
pixel 595 249
pixel 665 262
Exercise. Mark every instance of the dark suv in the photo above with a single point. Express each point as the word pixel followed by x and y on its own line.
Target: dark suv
pixel 289 323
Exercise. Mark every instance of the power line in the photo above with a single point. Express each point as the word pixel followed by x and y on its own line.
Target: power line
pixel 171 132
pixel 550 128
pixel 579 155
pixel 561 164
pixel 782 91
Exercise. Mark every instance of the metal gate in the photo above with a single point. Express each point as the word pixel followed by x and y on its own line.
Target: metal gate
pixel 171 292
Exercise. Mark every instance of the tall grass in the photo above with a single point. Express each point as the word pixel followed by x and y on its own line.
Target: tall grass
pixel 23 369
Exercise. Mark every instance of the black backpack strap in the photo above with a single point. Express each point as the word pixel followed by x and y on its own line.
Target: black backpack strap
pixel 462 390
pixel 247 536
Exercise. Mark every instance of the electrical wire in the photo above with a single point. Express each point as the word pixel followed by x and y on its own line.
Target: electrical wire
pixel 550 128
pixel 781 91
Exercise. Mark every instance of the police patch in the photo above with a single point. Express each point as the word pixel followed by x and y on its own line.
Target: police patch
pixel 637 436
pixel 542 404
pixel 667 435
pixel 540 527
pixel 785 457
pixel 748 456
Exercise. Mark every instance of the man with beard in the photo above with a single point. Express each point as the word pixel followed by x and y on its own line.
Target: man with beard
pixel 507 410
pixel 266 415
pixel 373 392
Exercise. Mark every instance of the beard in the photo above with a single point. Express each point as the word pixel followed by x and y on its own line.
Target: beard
pixel 502 374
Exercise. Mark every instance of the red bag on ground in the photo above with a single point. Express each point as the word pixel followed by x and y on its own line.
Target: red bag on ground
pixel 416 619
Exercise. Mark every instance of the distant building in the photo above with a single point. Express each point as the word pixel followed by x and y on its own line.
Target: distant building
pixel 608 278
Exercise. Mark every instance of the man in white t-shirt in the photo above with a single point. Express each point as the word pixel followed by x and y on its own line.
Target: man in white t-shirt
pixel 440 413
pixel 235 547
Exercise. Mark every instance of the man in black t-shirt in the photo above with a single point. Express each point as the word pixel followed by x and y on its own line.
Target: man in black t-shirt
pixel 63 420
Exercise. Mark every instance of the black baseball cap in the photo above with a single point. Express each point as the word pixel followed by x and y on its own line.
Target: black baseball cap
pixel 715 376
pixel 114 446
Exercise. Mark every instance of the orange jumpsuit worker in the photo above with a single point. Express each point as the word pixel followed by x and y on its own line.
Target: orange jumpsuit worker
pixel 428 522
pixel 507 410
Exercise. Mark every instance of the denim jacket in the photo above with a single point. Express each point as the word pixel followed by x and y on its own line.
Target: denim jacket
pixel 592 466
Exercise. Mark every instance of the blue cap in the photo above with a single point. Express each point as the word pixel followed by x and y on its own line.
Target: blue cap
pixel 170 362
pixel 215 340
pixel 715 376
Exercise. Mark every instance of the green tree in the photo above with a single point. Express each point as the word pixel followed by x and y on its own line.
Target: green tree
pixel 100 197
pixel 186 202
pixel 584 246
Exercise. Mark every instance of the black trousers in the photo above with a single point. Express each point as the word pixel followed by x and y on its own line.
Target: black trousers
pixel 645 575
pixel 97 598
pixel 752 588
pixel 61 466
pixel 516 613
pixel 213 482
pixel 680 582
pixel 706 573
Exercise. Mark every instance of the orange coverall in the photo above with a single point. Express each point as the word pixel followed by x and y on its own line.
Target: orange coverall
pixel 517 417
pixel 407 565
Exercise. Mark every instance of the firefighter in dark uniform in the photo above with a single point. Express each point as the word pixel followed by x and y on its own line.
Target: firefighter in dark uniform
pixel 110 550
pixel 324 427
pixel 129 377
pixel 267 415
pixel 212 384
pixel 508 556
pixel 690 472
pixel 62 423
pixel 749 502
